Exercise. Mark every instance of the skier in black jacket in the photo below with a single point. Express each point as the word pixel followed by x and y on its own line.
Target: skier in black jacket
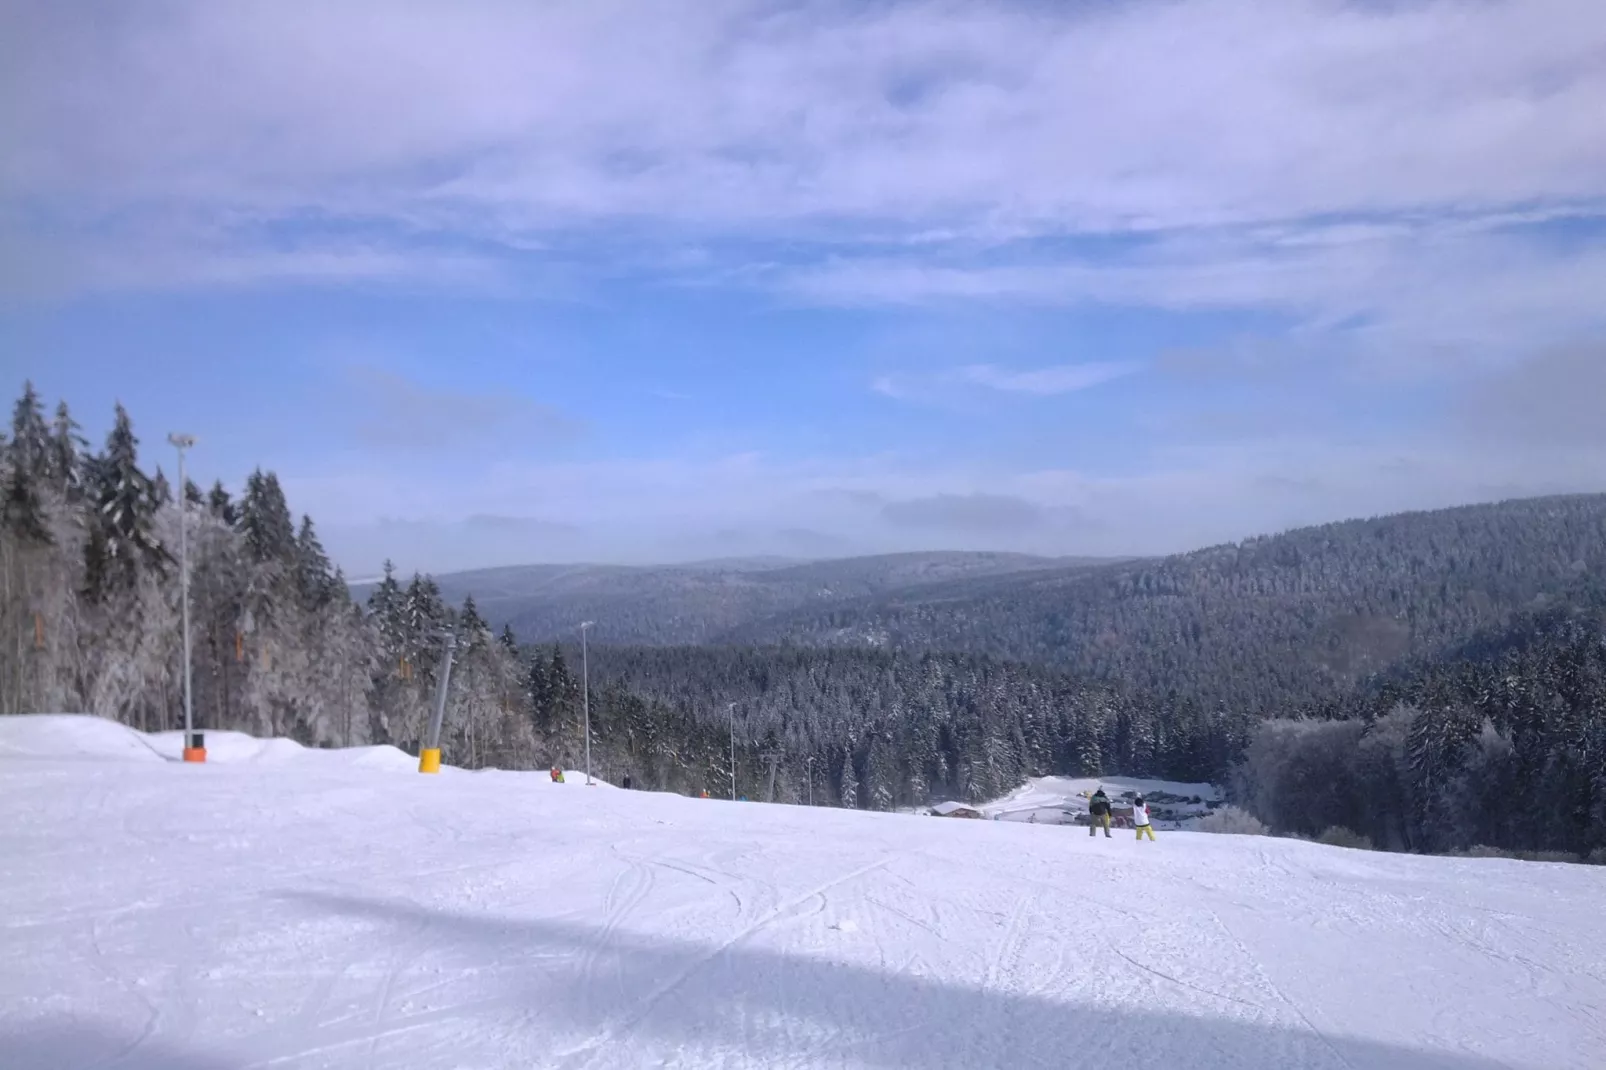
pixel 1098 807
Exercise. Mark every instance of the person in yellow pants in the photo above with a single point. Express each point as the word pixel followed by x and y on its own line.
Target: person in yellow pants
pixel 1140 818
pixel 1098 812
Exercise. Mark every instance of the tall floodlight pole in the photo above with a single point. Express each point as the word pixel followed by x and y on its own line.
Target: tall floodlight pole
pixel 808 766
pixel 193 750
pixel 732 709
pixel 585 691
pixel 429 755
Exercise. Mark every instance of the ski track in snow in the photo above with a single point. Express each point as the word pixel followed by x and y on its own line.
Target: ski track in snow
pixel 305 915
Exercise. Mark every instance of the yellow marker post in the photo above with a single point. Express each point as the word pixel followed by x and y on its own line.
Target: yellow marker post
pixel 429 760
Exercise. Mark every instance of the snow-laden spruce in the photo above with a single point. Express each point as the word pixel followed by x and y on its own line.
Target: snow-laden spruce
pixel 286 907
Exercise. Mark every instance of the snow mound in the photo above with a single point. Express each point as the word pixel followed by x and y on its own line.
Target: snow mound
pixel 73 736
pixel 79 736
pixel 232 748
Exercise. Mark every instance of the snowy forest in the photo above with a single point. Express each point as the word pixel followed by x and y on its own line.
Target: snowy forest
pixel 90 597
pixel 1499 740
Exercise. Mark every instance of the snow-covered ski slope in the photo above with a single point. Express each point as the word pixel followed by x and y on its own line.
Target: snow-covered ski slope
pixel 320 910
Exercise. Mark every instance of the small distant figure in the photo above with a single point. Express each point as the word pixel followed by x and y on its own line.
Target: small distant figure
pixel 703 794
pixel 1098 808
pixel 557 775
pixel 627 782
pixel 1140 818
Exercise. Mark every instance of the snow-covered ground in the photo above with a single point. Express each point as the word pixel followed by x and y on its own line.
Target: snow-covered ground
pixel 323 910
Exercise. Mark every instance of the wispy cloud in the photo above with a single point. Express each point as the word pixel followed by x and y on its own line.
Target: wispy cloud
pixel 919 122
pixel 963 381
pixel 1418 185
pixel 1418 289
pixel 1044 382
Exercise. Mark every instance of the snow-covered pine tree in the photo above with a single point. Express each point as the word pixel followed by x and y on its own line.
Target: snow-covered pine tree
pixel 161 490
pixel 385 608
pixel 538 691
pixel 879 769
pixel 68 451
pixel 849 778
pixel 29 448
pixel 130 637
pixel 265 521
pixel 473 634
pixel 222 506
pixel 122 542
pixel 278 662
pixel 27 552
pixel 315 583
pixel 22 507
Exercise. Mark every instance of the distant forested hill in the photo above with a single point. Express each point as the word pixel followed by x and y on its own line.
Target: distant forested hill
pixel 1267 625
pixel 679 604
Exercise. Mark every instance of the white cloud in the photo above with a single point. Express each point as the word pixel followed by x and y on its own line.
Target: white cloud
pixel 1404 174
pixel 960 383
pixel 1014 119
pixel 1413 289
pixel 1043 382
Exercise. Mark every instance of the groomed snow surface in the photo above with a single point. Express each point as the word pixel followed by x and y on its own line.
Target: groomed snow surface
pixel 278 907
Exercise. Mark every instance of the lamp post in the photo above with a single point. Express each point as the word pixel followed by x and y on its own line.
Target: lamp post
pixel 585 691
pixel 193 750
pixel 732 710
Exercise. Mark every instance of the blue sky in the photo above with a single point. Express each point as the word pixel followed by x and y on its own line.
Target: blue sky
pixel 497 282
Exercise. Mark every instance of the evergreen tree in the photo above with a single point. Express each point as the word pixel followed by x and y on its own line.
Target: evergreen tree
pixel 386 608
pixel 29 449
pixel 849 778
pixel 22 510
pixel 314 582
pixel 218 500
pixel 423 618
pixel 68 450
pixel 473 632
pixel 878 773
pixel 265 521
pixel 161 491
pixel 538 688
pixel 122 539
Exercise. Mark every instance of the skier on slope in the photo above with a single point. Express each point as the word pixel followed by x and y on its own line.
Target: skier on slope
pixel 1140 818
pixel 1098 808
